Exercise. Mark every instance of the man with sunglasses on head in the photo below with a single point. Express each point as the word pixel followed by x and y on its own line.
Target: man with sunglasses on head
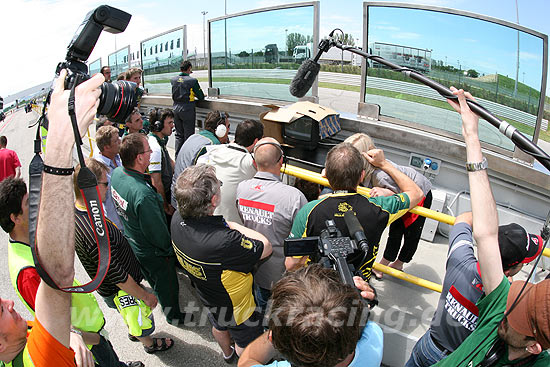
pixel 142 212
pixel 513 328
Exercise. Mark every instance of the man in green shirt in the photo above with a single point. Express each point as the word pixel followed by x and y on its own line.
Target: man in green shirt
pixel 141 209
pixel 505 335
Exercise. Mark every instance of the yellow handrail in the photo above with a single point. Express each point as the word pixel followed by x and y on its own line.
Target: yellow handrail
pixel 408 278
pixel 425 212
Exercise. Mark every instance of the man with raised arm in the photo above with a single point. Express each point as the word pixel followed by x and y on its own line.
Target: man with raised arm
pixel 505 335
pixel 45 342
pixel 344 170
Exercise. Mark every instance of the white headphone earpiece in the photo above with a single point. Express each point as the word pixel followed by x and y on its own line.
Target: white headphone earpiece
pixel 221 130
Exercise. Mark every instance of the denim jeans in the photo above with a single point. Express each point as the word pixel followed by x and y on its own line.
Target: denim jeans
pixel 262 296
pixel 425 353
pixel 105 355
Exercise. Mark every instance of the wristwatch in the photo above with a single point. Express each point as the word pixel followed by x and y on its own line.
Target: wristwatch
pixel 477 166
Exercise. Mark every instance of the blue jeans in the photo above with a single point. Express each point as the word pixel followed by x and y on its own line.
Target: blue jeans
pixel 262 296
pixel 425 353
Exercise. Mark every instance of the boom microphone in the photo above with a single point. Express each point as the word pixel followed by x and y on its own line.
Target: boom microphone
pixel 308 71
pixel 356 230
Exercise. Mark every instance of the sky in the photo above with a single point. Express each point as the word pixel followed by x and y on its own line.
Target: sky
pixel 36 33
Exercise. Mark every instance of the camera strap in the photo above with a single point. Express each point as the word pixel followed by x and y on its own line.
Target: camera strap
pixel 87 183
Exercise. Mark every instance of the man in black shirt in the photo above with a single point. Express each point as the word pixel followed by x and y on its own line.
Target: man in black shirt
pixel 185 91
pixel 121 287
pixel 218 257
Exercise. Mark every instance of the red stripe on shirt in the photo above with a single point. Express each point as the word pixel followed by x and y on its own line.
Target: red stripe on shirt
pixel 464 301
pixel 257 205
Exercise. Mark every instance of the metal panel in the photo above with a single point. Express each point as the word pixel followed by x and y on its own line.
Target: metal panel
pixel 544 38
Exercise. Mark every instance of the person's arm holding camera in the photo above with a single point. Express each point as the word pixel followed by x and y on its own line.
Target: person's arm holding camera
pixel 55 229
pixel 484 211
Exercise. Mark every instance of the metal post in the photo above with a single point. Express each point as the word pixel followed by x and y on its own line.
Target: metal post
pixel 204 35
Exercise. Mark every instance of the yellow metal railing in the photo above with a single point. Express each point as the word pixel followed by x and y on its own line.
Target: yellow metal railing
pixel 428 213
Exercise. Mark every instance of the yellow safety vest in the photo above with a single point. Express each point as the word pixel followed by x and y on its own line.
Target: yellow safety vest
pixel 85 312
pixel 136 314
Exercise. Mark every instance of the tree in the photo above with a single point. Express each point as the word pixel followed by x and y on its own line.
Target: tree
pixel 296 39
pixel 243 54
pixel 346 39
pixel 472 73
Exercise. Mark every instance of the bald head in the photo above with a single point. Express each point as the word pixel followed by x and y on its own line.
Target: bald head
pixel 268 154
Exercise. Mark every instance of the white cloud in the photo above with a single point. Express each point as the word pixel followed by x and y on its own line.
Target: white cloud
pixel 524 55
pixel 405 36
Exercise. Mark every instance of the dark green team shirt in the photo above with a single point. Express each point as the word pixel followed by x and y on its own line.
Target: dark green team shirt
pixel 374 214
pixel 491 310
pixel 140 208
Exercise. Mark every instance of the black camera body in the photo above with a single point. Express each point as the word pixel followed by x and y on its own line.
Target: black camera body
pixel 330 245
pixel 118 99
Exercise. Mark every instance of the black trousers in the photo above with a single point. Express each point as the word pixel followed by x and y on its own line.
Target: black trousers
pixel 411 236
pixel 184 121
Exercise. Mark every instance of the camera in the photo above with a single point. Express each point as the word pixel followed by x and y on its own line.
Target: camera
pixel 330 245
pixel 117 99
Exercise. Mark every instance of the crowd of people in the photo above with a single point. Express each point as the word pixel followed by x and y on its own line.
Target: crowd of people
pixel 221 212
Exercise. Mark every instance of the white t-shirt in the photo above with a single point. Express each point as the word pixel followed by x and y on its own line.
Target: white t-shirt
pixel 155 164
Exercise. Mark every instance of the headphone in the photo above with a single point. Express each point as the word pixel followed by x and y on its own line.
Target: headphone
pixel 497 351
pixel 275 145
pixel 221 129
pixel 157 125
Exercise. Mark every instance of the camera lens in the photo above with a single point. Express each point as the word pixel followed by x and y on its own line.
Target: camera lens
pixel 117 100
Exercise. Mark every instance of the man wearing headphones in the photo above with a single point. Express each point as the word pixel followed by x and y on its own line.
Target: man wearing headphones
pixel 216 129
pixel 268 206
pixel 161 166
pixel 234 164
pixel 513 328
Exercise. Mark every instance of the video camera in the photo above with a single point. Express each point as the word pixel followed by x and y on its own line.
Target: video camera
pixel 118 99
pixel 331 249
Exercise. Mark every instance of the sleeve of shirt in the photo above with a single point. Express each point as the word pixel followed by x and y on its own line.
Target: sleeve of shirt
pixel 396 205
pixel 494 303
pixel 117 270
pixel 300 221
pixel 16 162
pixel 382 179
pixel 155 164
pixel 153 223
pixel 198 91
pixel 45 350
pixel 299 204
pixel 241 253
pixel 28 281
pixel 461 248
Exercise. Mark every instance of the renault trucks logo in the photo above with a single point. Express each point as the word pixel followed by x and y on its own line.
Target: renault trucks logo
pixel 96 216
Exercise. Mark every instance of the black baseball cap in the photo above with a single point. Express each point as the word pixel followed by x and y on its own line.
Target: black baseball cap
pixel 517 246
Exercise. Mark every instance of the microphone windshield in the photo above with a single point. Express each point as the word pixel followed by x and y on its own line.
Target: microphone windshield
pixel 304 78
pixel 352 223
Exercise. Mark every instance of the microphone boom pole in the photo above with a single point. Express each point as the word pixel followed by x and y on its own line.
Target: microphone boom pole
pixel 520 140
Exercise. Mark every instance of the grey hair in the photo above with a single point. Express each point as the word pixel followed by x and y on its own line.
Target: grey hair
pixel 195 188
pixel 363 143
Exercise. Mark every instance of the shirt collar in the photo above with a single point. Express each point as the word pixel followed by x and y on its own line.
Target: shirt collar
pixel 267 176
pixel 161 141
pixel 143 176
